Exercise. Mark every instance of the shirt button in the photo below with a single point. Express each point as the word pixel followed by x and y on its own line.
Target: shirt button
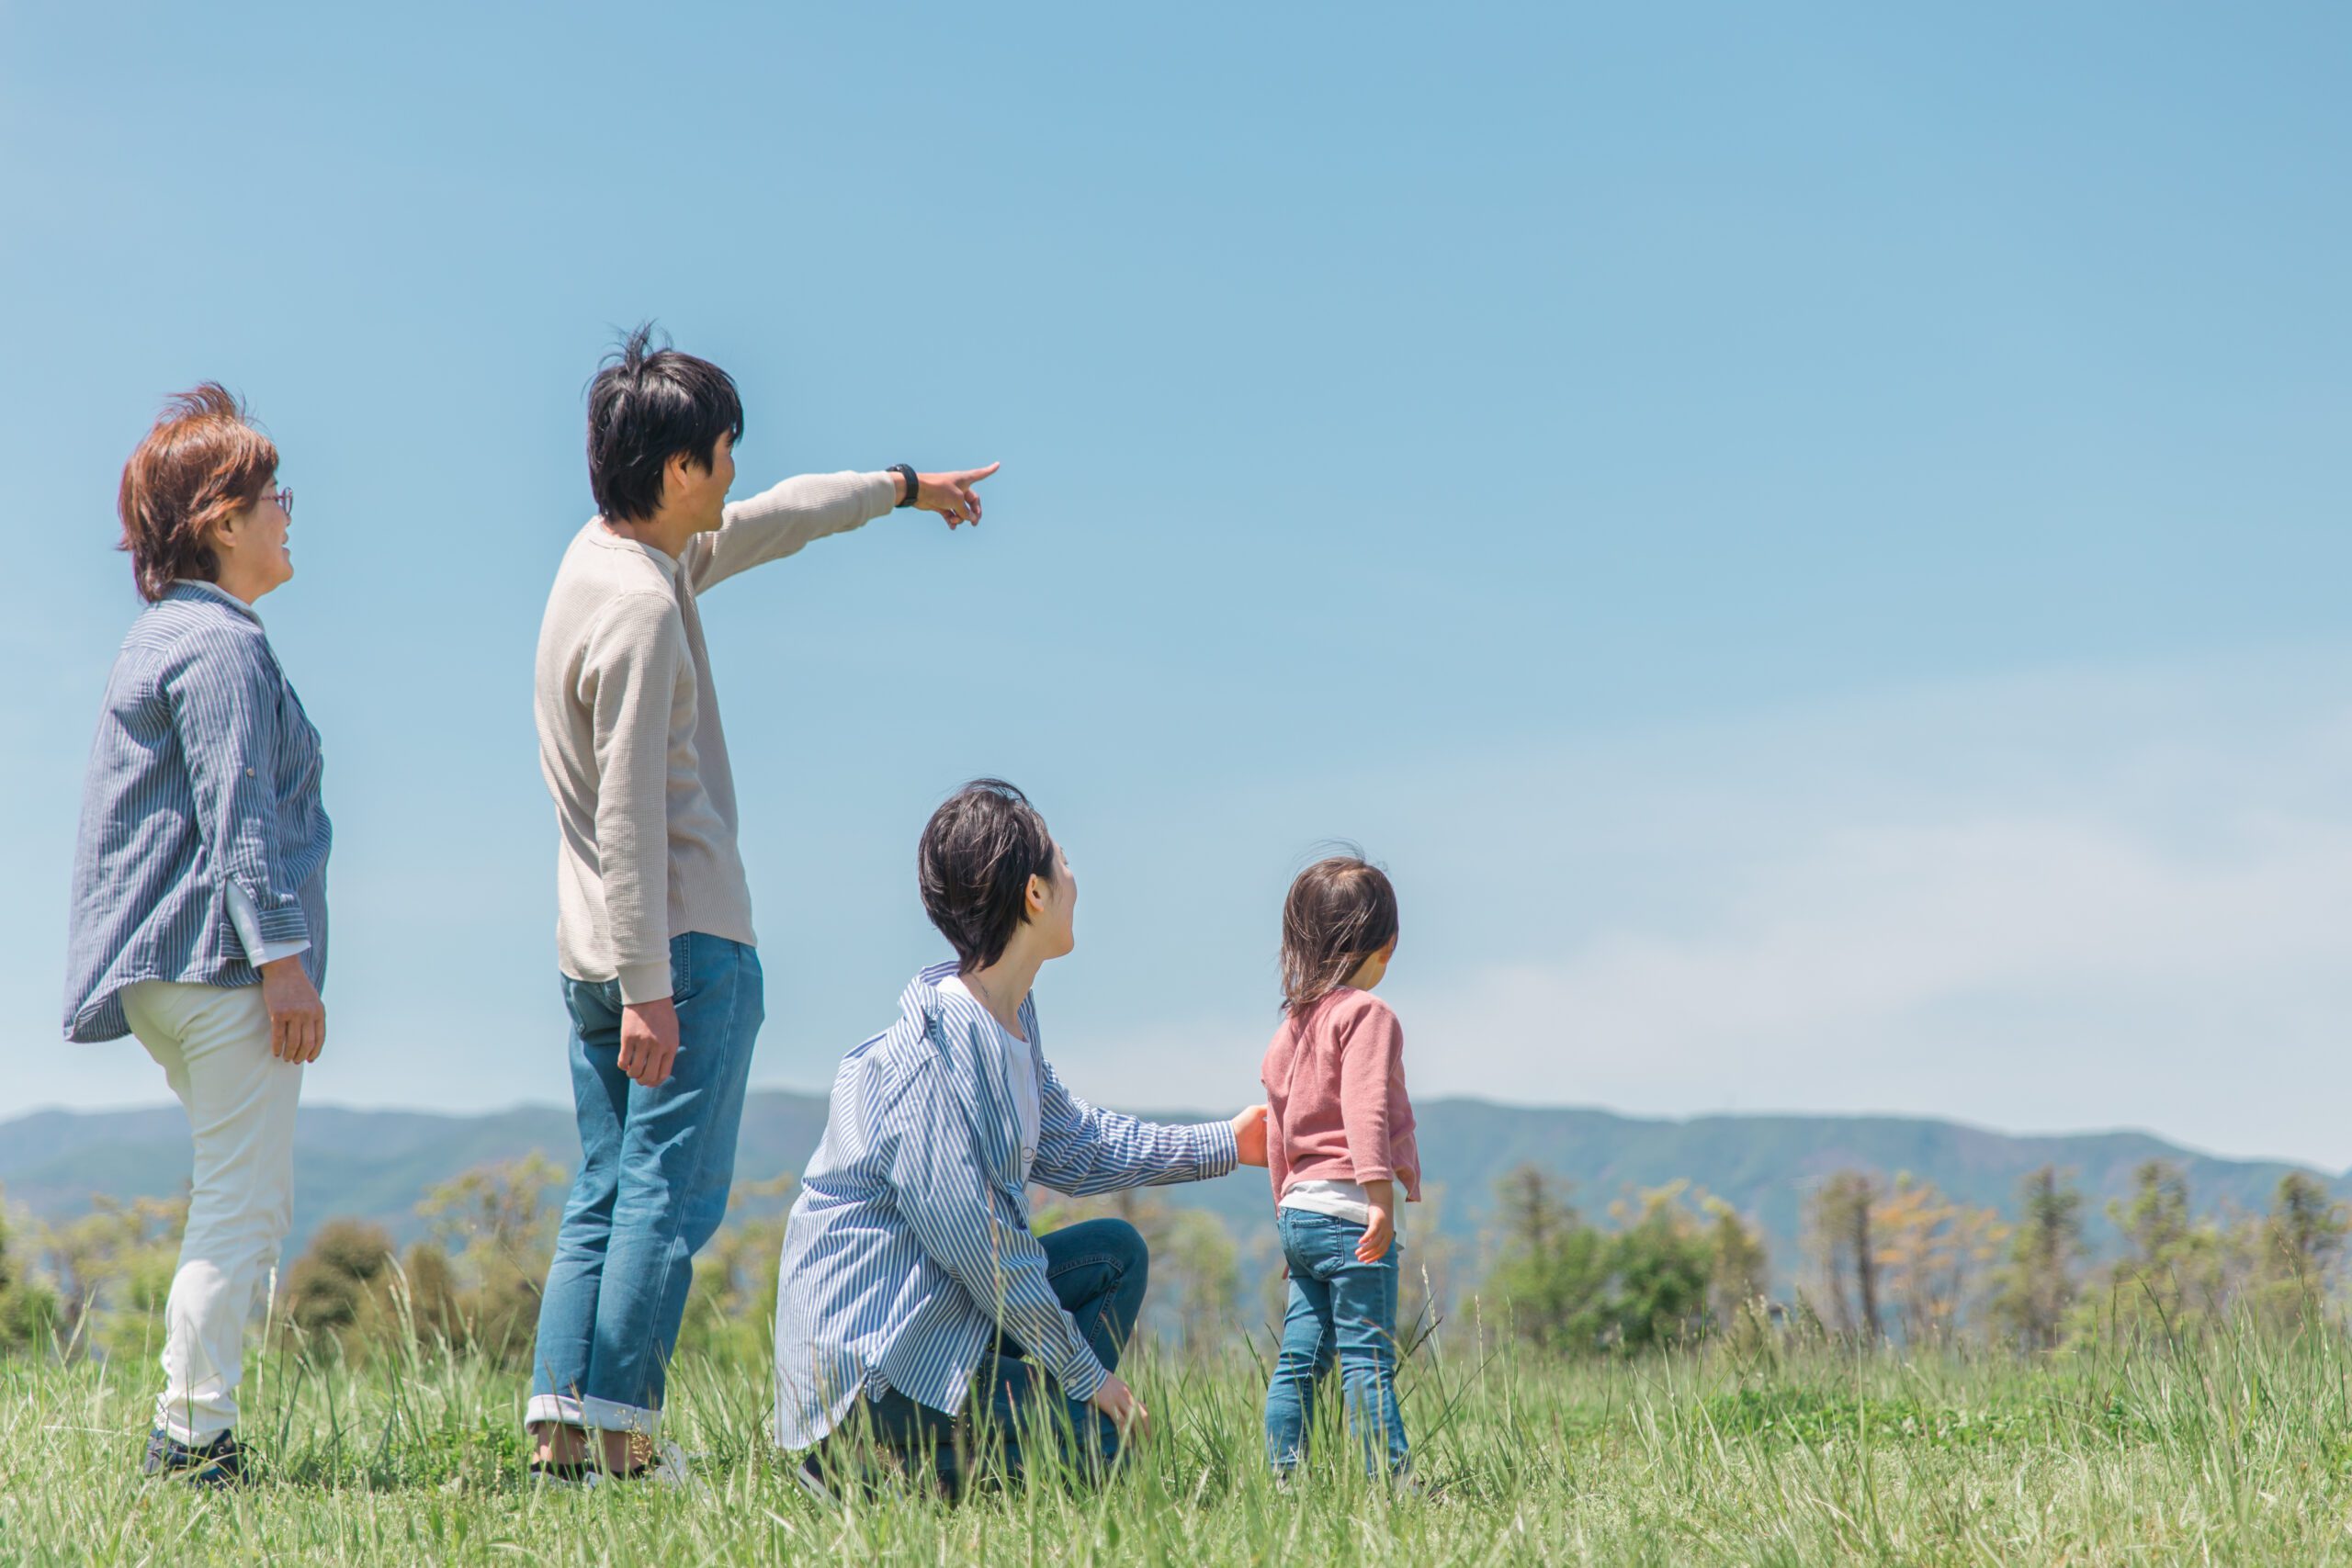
pixel 249 773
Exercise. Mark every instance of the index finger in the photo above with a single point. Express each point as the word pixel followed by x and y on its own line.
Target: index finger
pixel 973 476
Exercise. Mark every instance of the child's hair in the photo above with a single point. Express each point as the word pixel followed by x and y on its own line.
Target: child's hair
pixel 1340 911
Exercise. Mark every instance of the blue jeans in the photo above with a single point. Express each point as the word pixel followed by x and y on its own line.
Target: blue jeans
pixel 1340 1310
pixel 1098 1269
pixel 655 1168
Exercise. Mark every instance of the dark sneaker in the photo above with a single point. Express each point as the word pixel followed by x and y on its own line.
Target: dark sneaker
pixel 220 1462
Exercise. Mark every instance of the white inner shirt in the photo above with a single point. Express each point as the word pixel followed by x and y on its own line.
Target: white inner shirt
pixel 1345 1200
pixel 1021 1067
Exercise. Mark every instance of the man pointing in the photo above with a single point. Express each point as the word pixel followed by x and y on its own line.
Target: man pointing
pixel 654 929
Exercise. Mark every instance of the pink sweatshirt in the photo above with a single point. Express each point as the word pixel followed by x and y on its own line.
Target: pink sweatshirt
pixel 1335 1088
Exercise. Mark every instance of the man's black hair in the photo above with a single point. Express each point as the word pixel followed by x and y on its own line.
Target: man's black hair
pixel 979 852
pixel 646 406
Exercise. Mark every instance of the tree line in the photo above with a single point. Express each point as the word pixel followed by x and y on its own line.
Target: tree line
pixel 1898 1261
pixel 1883 1261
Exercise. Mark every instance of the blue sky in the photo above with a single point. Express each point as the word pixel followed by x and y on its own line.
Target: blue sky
pixel 1812 542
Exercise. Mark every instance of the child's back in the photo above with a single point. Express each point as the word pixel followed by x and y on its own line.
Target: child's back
pixel 1337 1111
pixel 1339 1144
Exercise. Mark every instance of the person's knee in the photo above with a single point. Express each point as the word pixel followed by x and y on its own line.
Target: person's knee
pixel 1122 1245
pixel 1109 1242
pixel 702 1209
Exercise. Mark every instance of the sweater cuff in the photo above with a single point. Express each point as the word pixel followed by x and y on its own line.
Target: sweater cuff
pixel 642 983
pixel 1214 1151
pixel 882 495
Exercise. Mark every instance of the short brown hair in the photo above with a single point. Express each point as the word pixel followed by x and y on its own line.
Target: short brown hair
pixel 1340 911
pixel 200 464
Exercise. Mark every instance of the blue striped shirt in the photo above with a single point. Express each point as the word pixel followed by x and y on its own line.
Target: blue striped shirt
pixel 910 1245
pixel 204 776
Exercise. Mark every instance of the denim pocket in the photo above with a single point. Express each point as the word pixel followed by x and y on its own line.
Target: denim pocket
pixel 682 984
pixel 1317 1246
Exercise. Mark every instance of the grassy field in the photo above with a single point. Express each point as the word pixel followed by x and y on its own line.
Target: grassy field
pixel 2233 1453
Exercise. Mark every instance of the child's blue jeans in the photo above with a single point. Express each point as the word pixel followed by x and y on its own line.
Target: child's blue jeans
pixel 1344 1311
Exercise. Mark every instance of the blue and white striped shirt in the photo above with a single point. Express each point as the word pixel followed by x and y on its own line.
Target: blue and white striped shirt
pixel 204 776
pixel 910 1243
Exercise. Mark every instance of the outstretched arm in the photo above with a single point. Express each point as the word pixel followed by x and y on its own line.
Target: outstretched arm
pixel 1082 1148
pixel 784 518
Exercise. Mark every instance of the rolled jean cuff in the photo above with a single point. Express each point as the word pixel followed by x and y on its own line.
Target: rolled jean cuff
pixel 603 1414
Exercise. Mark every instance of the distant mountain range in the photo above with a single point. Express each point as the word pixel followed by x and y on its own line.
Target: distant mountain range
pixel 376 1165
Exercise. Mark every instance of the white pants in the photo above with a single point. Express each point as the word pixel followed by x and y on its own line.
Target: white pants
pixel 214 1043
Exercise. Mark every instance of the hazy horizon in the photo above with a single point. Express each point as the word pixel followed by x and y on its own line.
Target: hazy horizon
pixel 1173 1108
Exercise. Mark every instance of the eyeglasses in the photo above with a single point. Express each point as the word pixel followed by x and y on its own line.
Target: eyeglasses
pixel 284 496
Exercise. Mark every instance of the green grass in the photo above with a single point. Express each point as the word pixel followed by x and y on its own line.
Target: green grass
pixel 2237 1452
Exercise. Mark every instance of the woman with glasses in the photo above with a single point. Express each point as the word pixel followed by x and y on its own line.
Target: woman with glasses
pixel 199 919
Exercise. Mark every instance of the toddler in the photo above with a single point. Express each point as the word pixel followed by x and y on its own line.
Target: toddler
pixel 1340 1142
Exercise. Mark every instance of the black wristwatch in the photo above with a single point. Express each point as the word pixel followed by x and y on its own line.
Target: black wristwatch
pixel 914 483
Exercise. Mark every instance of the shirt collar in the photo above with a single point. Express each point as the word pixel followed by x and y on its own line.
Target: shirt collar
pixel 201 588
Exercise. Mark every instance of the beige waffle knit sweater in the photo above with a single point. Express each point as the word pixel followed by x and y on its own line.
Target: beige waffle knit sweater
pixel 629 738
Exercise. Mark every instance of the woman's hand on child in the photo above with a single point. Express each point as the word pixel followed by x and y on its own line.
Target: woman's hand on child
pixel 1250 1135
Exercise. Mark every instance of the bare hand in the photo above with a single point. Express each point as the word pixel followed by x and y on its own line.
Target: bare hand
pixel 952 495
pixel 1250 1135
pixel 1379 1197
pixel 1126 1412
pixel 648 1040
pixel 297 1019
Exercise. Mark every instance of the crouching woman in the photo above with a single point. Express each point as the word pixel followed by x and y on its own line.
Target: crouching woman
pixel 914 1305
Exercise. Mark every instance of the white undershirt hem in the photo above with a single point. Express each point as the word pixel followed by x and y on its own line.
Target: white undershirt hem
pixel 1342 1201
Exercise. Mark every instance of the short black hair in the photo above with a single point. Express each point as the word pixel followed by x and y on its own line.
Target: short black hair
pixel 980 850
pixel 647 405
